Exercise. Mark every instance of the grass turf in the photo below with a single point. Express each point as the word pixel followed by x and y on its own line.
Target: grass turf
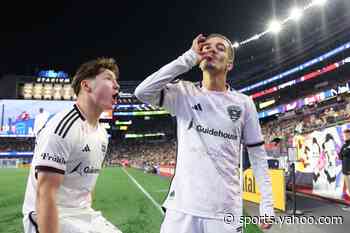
pixel 116 196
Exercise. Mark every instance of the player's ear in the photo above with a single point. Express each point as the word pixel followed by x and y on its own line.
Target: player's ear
pixel 86 85
pixel 229 66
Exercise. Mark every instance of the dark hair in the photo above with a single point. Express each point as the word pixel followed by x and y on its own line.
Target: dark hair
pixel 231 53
pixel 346 131
pixel 329 137
pixel 91 69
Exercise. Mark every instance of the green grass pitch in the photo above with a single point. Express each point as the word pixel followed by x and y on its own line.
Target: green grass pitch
pixel 116 196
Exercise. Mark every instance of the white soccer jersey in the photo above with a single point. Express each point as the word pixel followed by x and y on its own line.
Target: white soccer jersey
pixel 70 146
pixel 211 126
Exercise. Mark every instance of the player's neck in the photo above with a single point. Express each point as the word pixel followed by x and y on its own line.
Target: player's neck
pixel 89 110
pixel 214 82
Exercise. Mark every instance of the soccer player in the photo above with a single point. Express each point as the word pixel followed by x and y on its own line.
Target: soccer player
pixel 68 155
pixel 213 120
pixel 344 155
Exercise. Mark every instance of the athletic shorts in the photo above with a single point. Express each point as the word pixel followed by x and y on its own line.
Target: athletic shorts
pixel 346 166
pixel 178 222
pixel 75 221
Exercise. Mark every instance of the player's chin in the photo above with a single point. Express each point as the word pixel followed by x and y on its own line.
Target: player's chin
pixel 106 106
pixel 207 66
pixel 213 68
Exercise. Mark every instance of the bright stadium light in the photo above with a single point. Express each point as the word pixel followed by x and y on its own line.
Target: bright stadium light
pixel 236 45
pixel 296 13
pixel 275 27
pixel 319 2
pixel 256 37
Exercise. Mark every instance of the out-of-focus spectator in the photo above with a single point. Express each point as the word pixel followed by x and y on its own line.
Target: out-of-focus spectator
pixel 20 145
pixel 304 122
pixel 146 155
pixel 40 120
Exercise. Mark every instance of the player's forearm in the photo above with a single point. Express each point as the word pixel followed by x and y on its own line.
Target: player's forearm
pixel 47 212
pixel 257 156
pixel 150 88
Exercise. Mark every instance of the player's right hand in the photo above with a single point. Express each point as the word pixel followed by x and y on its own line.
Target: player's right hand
pixel 197 46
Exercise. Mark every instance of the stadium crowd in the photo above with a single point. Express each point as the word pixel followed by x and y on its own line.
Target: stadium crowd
pixel 150 154
pixel 19 145
pixel 143 154
pixel 306 119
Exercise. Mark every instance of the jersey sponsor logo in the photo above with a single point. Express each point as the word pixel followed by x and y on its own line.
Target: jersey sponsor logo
pixel 234 112
pixel 81 170
pixel 86 148
pixel 197 107
pixel 53 158
pixel 216 133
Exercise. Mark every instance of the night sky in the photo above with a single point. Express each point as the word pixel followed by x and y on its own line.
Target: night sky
pixel 141 35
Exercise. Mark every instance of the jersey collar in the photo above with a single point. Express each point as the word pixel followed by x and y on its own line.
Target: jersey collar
pixel 76 107
pixel 228 87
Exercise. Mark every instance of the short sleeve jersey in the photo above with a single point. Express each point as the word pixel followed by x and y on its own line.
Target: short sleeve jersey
pixel 68 145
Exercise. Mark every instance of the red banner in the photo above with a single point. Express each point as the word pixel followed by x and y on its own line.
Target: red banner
pixel 167 170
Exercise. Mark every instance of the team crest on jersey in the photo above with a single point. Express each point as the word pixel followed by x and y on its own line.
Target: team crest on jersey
pixel 234 112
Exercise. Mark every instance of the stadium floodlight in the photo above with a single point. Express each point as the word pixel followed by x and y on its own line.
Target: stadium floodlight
pixel 236 45
pixel 296 13
pixel 319 2
pixel 255 37
pixel 275 27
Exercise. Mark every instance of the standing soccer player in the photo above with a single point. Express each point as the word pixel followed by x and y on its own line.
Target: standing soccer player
pixel 213 121
pixel 68 156
pixel 344 156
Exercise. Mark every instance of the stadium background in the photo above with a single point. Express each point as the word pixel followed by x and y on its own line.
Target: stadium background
pixel 299 81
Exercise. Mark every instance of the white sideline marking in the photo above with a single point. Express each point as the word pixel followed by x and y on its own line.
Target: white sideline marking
pixel 144 191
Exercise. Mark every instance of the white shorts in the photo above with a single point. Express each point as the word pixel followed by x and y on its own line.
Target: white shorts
pixel 178 222
pixel 76 221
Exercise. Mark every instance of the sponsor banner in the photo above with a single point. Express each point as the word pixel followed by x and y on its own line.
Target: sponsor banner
pixel 302 67
pixel 167 170
pixel 8 163
pixel 23 165
pixel 15 154
pixel 319 97
pixel 317 156
pixel 251 191
pixel 266 103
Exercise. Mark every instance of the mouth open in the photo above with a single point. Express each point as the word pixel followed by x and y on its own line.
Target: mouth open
pixel 209 57
pixel 115 98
